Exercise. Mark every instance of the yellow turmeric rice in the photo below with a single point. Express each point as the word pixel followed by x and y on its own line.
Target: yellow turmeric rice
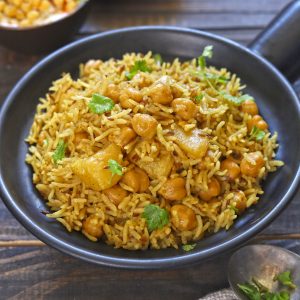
pixel 142 153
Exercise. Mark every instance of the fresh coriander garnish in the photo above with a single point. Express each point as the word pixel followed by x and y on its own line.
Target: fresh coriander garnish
pixel 155 216
pixel 115 167
pixel 207 53
pixel 199 98
pixel 235 209
pixel 254 290
pixel 257 134
pixel 158 59
pixel 59 152
pixel 250 290
pixel 188 247
pixel 236 100
pixel 285 278
pixel 100 104
pixel 139 65
pixel 216 77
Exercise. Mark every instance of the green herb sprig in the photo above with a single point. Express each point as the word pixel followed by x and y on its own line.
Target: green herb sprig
pixel 198 98
pixel 158 59
pixel 256 291
pixel 285 278
pixel 155 216
pixel 59 152
pixel 188 247
pixel 234 208
pixel 115 167
pixel 100 104
pixel 236 100
pixel 139 65
pixel 207 53
pixel 257 134
pixel 207 76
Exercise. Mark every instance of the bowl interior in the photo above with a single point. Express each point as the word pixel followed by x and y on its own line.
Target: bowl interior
pixel 276 100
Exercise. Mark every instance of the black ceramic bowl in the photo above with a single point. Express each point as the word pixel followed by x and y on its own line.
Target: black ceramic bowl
pixel 275 97
pixel 45 37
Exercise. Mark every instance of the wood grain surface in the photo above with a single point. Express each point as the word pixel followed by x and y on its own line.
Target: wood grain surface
pixel 31 270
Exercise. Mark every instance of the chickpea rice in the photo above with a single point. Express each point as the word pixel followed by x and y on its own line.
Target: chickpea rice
pixel 180 141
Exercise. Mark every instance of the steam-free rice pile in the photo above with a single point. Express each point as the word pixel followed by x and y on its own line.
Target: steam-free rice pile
pixel 149 154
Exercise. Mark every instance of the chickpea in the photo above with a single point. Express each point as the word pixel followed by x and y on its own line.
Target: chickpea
pixel 130 93
pixel 176 91
pixel 161 93
pixel 249 107
pixel 173 189
pixel 81 135
pixel 214 189
pixel 2 5
pixel 32 15
pixel 239 201
pixel 31 12
pixel 183 217
pixel 42 138
pixel 184 108
pixel 144 125
pixel 112 92
pixel 142 80
pixel 233 169
pixel 257 121
pixel 93 226
pixel 249 169
pixel 127 134
pixel 116 194
pixel 137 179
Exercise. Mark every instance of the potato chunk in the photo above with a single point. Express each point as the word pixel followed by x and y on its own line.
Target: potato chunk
pixel 160 167
pixel 93 170
pixel 192 142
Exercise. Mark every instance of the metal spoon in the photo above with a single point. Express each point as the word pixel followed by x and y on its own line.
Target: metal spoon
pixel 263 262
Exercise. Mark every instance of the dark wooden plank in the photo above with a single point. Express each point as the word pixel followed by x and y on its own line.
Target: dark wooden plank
pixel 202 14
pixel 106 20
pixel 191 6
pixel 43 273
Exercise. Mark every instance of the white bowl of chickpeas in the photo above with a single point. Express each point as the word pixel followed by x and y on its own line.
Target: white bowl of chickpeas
pixel 36 26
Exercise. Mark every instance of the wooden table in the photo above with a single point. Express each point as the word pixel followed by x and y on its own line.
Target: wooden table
pixel 31 270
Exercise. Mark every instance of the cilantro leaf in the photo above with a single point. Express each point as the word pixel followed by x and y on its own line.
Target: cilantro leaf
pixel 235 209
pixel 115 167
pixel 216 77
pixel 155 216
pixel 250 290
pixel 257 134
pixel 199 98
pixel 158 59
pixel 59 152
pixel 283 295
pixel 236 100
pixel 207 53
pixel 139 65
pixel 100 104
pixel 188 247
pixel 285 278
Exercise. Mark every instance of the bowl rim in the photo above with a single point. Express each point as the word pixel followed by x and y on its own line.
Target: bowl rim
pixel 149 263
pixel 81 5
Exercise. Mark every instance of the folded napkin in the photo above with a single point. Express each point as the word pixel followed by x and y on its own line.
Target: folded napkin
pixel 225 294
